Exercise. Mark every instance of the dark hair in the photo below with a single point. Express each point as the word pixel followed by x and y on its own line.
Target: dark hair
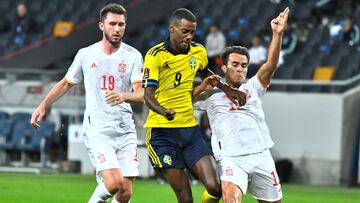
pixel 215 24
pixel 182 13
pixel 234 49
pixel 112 8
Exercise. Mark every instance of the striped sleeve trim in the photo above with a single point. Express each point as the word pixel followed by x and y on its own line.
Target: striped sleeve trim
pixel 150 83
pixel 70 82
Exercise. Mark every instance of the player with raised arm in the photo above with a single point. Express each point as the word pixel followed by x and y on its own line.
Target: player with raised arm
pixel 111 71
pixel 241 139
pixel 173 137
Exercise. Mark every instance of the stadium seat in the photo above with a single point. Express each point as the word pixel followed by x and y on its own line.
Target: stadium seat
pixel 324 73
pixel 5 130
pixel 331 60
pixel 302 10
pixel 21 116
pixel 284 72
pixel 340 48
pixel 304 73
pixel 38 141
pixel 3 115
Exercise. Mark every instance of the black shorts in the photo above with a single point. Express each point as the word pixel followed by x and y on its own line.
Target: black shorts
pixel 175 147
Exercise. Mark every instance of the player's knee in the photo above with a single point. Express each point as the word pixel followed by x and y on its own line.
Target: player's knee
pixel 188 199
pixel 230 197
pixel 113 185
pixel 125 196
pixel 213 188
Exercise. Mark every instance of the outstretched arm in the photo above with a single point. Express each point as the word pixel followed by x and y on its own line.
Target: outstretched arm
pixel 278 26
pixel 55 93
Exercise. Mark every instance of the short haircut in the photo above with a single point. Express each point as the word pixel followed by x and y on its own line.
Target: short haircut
pixel 112 8
pixel 182 13
pixel 234 49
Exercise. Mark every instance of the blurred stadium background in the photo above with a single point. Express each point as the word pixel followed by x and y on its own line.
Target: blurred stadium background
pixel 312 107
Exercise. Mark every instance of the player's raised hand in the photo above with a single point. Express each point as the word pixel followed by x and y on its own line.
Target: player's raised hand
pixel 279 24
pixel 169 114
pixel 236 96
pixel 210 82
pixel 38 115
pixel 114 98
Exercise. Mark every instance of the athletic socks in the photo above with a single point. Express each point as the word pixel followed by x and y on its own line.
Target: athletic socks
pixel 100 194
pixel 207 198
pixel 114 200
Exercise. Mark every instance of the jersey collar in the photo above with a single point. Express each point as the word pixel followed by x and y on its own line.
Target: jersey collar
pixel 173 51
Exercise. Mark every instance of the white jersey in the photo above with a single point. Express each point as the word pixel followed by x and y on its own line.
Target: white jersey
pixel 238 130
pixel 102 73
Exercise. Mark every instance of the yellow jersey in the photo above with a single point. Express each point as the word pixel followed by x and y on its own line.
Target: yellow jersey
pixel 173 73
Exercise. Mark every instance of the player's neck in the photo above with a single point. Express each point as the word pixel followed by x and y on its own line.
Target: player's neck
pixel 172 45
pixel 109 48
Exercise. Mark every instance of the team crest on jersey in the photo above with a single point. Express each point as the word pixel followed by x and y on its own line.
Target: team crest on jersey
pixel 122 67
pixel 192 63
pixel 229 171
pixel 167 160
pixel 146 73
pixel 101 158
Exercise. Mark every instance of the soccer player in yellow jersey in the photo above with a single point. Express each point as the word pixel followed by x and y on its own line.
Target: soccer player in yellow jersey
pixel 173 137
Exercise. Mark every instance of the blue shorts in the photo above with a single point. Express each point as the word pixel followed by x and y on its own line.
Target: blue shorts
pixel 175 147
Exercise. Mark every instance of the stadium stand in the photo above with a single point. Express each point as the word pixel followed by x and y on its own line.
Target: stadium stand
pixel 239 22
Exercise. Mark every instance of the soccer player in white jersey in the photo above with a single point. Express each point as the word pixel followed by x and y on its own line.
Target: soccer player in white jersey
pixel 111 71
pixel 241 139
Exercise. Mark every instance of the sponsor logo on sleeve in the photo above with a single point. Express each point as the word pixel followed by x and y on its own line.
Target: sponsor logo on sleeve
pixel 146 73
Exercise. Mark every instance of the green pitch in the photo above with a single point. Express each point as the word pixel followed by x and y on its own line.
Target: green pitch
pixel 69 188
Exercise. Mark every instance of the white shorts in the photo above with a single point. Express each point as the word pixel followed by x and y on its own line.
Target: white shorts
pixel 109 149
pixel 256 171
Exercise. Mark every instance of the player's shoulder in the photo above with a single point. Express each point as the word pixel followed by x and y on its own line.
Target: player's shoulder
pixel 195 45
pixel 89 49
pixel 129 49
pixel 153 51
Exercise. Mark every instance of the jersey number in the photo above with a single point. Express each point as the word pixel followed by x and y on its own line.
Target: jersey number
pixel 108 83
pixel 177 79
pixel 234 107
pixel 273 175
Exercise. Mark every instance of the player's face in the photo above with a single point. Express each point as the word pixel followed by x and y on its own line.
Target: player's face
pixel 236 69
pixel 181 34
pixel 113 28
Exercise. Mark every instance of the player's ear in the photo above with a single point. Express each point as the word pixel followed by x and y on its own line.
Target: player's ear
pixel 171 28
pixel 223 68
pixel 101 26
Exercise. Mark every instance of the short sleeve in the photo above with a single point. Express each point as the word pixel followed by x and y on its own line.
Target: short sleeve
pixel 255 83
pixel 203 58
pixel 200 106
pixel 74 74
pixel 136 73
pixel 151 71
